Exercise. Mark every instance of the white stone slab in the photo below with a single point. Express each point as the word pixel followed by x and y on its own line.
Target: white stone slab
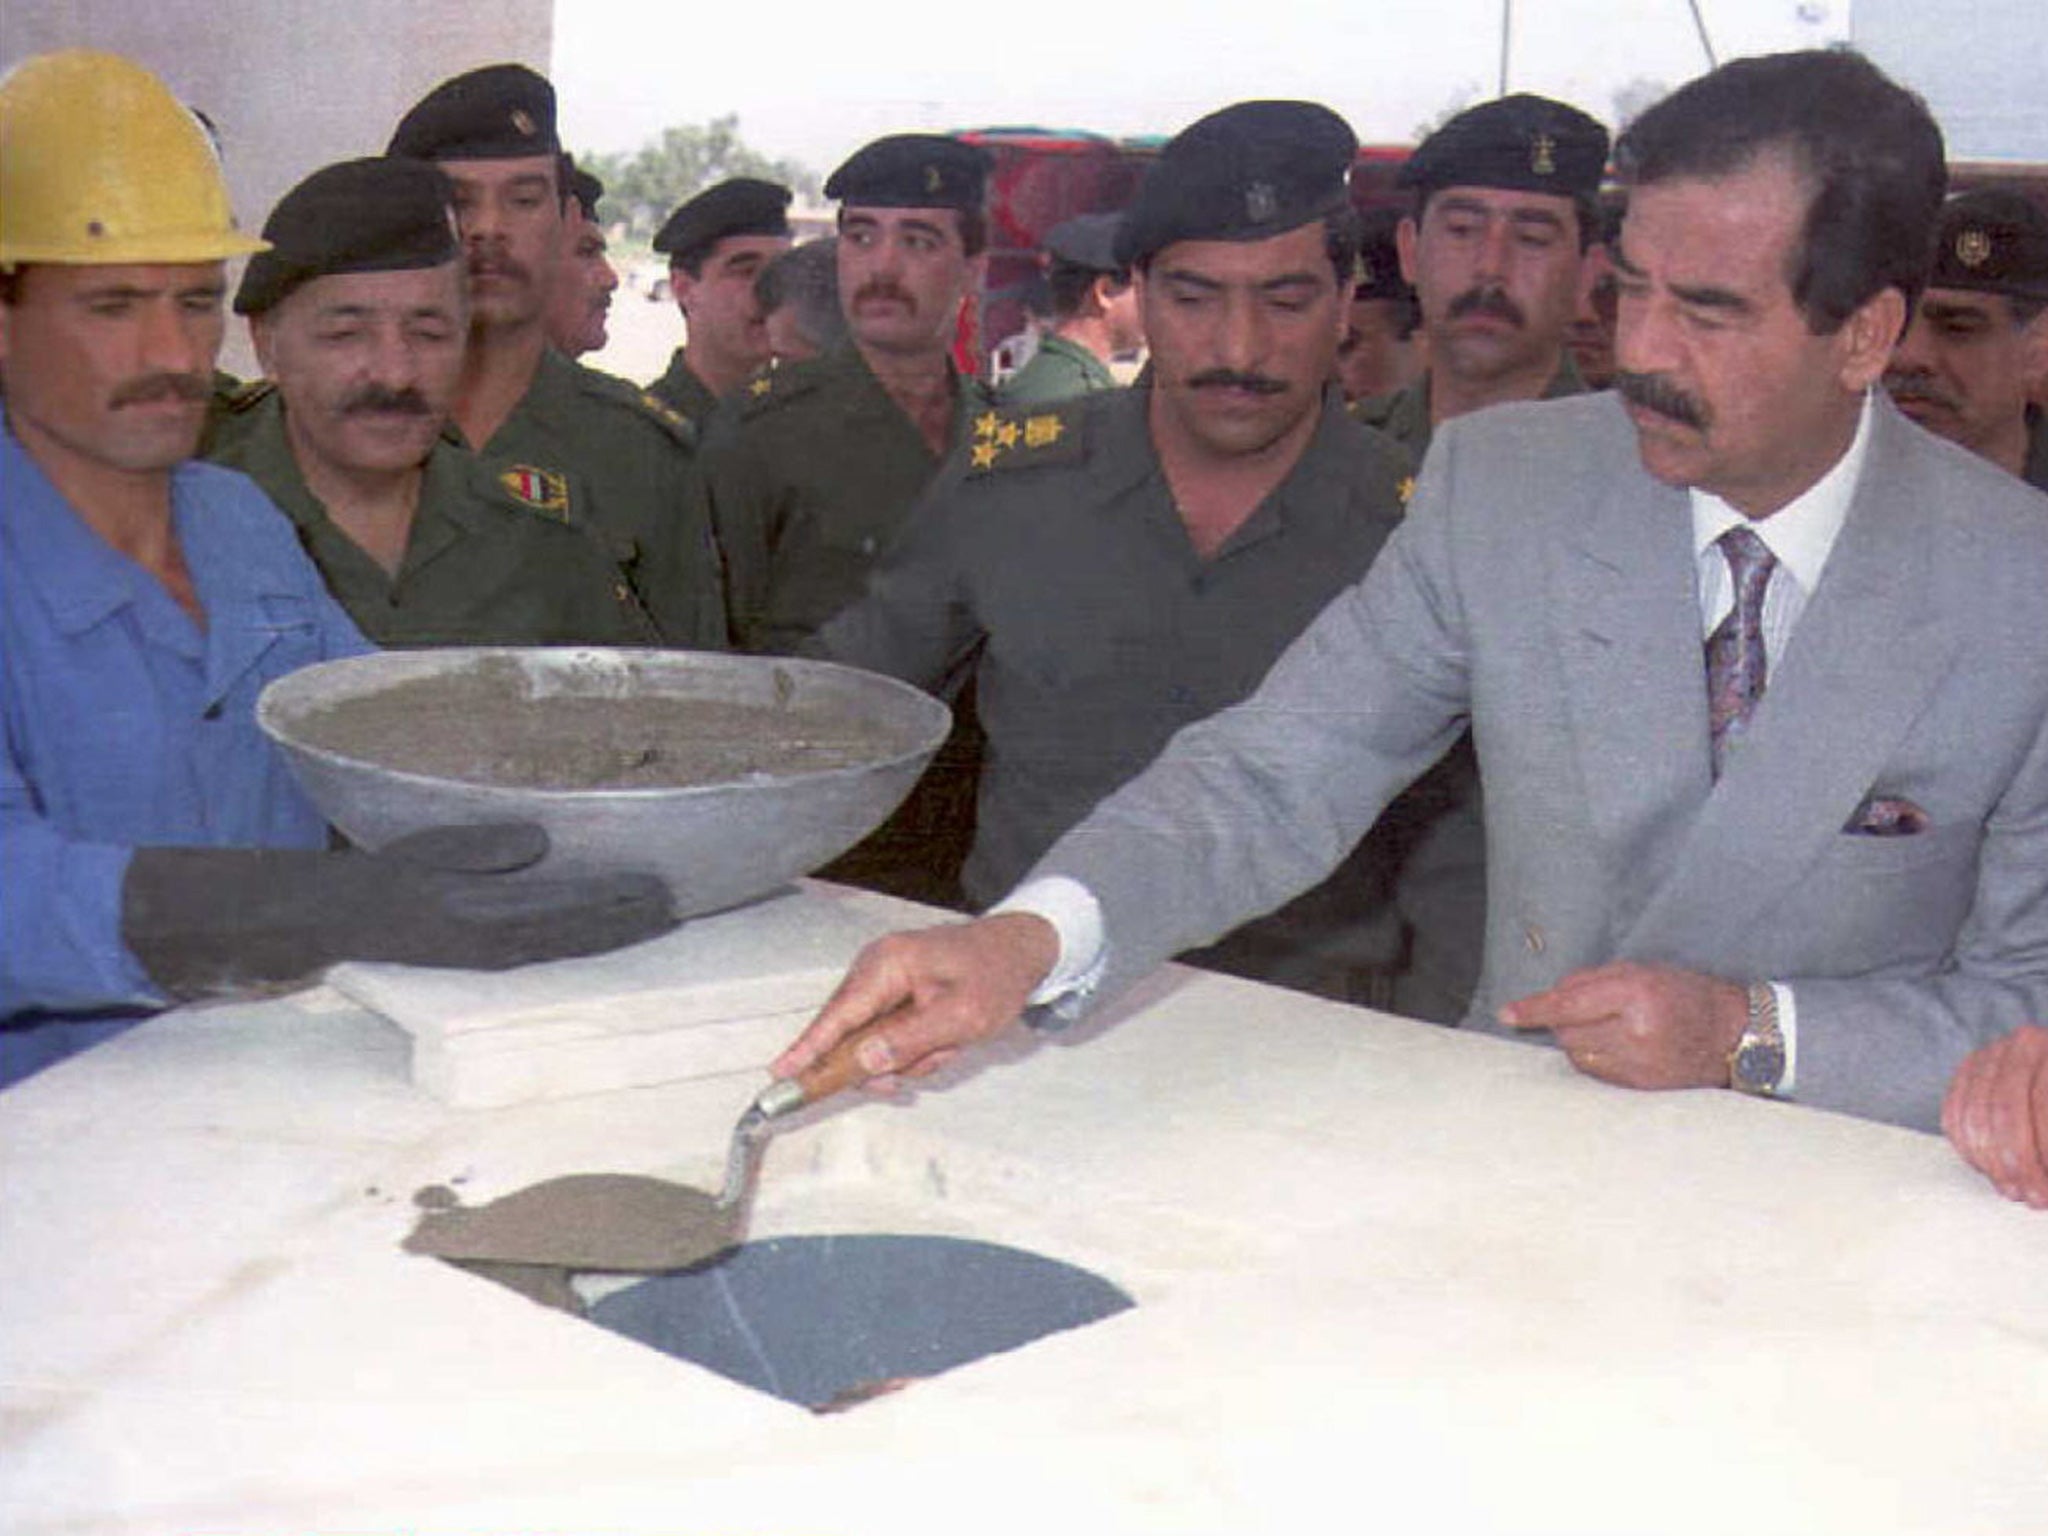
pixel 1388 1277
pixel 721 994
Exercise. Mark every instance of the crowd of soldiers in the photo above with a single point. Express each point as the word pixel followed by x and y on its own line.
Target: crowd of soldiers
pixel 1085 569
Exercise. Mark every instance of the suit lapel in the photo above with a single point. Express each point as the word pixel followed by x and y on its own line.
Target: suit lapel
pixel 1866 655
pixel 1627 625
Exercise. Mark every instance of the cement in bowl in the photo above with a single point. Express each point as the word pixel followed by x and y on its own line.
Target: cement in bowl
pixel 824 1321
pixel 726 775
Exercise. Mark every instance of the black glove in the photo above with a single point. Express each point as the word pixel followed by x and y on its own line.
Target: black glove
pixel 209 920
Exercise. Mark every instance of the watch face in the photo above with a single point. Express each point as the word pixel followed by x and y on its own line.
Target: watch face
pixel 1759 1064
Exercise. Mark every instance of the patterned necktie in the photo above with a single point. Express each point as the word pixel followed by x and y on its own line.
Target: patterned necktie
pixel 1735 650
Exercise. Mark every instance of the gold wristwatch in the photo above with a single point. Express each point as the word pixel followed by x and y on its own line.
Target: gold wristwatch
pixel 1757 1064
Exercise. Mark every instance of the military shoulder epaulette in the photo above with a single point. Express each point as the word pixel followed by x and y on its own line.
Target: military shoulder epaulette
pixel 246 397
pixel 773 388
pixel 610 387
pixel 1373 410
pixel 1025 435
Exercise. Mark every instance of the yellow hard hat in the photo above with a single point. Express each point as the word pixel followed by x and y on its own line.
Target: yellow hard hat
pixel 100 163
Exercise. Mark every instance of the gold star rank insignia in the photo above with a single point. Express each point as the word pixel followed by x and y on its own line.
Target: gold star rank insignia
pixel 985 425
pixel 983 455
pixel 1041 430
pixel 1406 488
pixel 1006 434
pixel 760 386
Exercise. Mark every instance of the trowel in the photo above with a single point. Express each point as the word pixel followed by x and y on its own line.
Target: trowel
pixel 628 1222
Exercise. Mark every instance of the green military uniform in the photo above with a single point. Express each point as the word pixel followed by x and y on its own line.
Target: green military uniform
pixel 2035 473
pixel 493 557
pixel 626 463
pixel 1052 560
pixel 684 393
pixel 1434 834
pixel 1059 370
pixel 808 478
pixel 1404 414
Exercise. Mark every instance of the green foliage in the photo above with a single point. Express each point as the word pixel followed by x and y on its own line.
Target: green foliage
pixel 644 186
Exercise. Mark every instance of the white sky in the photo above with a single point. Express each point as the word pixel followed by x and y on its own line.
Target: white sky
pixel 814 81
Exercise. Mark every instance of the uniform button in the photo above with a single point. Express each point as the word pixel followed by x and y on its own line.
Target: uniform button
pixel 621 593
pixel 212 711
pixel 1533 939
pixel 867 546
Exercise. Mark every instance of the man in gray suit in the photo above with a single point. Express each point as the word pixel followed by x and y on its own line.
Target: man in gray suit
pixel 1807 858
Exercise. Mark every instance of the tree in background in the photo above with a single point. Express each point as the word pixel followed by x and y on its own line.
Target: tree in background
pixel 641 187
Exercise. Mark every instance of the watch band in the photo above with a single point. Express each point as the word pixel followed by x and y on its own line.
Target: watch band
pixel 1757 1064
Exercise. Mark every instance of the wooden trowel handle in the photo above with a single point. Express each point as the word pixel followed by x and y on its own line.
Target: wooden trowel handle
pixel 837 1069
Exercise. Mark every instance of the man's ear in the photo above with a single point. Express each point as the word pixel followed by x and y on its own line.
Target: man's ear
pixel 2033 352
pixel 1868 336
pixel 1405 234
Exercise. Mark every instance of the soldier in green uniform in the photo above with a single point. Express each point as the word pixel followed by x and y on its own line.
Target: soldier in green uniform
pixel 618 459
pixel 359 314
pixel 1114 567
pixel 717 244
pixel 1095 315
pixel 1979 334
pixel 813 470
pixel 580 298
pixel 1506 214
pixel 1378 354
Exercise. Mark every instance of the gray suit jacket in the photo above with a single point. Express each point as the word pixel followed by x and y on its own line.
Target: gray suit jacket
pixel 1544 586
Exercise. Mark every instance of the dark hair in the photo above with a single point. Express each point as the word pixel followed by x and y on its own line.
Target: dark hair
pixel 1585 209
pixel 805 277
pixel 1343 239
pixel 1069 284
pixel 1866 146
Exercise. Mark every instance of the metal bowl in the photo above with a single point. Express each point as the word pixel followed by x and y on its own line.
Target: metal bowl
pixel 716 844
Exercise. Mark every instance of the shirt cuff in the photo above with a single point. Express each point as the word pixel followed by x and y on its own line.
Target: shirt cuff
pixel 1076 916
pixel 1788 1026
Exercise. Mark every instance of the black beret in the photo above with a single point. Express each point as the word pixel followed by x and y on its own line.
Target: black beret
pixel 499 112
pixel 584 187
pixel 741 206
pixel 376 215
pixel 912 170
pixel 1247 172
pixel 1993 241
pixel 1379 260
pixel 1518 143
pixel 1087 241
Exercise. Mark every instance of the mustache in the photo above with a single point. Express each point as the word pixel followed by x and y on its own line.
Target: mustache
pixel 1921 387
pixel 496 264
pixel 380 400
pixel 1231 378
pixel 1488 301
pixel 148 388
pixel 881 288
pixel 1654 392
